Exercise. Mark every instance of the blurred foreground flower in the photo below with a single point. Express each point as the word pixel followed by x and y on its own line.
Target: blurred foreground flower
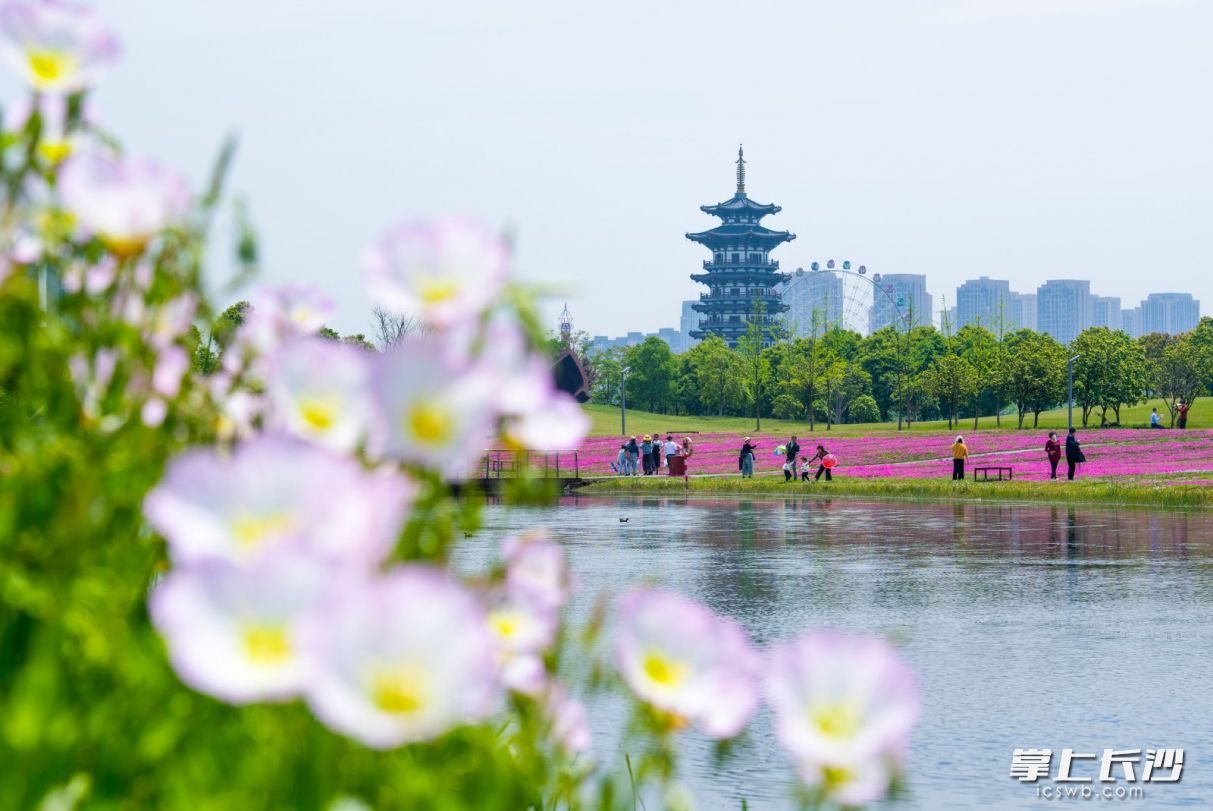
pixel 437 411
pixel 401 659
pixel 535 569
pixel 56 142
pixel 234 633
pixel 682 659
pixel 319 390
pixel 55 47
pixel 274 492
pixel 446 272
pixel 123 202
pixel 844 707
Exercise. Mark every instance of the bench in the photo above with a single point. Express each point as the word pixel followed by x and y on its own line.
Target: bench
pixel 985 473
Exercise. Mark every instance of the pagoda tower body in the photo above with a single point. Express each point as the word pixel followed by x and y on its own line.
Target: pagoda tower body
pixel 741 276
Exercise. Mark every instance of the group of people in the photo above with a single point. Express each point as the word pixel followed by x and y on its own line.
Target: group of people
pixel 1181 417
pixel 1054 450
pixel 650 454
pixel 791 453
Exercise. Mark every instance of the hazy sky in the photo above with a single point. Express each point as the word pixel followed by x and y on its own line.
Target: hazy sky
pixel 1020 139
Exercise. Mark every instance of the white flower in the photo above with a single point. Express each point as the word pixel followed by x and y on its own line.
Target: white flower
pixel 54 47
pixel 446 273
pixel 535 569
pixel 319 390
pixel 234 632
pixel 124 202
pixel 405 658
pixel 679 657
pixel 435 411
pixel 274 492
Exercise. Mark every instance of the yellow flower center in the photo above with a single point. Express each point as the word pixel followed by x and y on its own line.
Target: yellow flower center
pixel 663 670
pixel 835 777
pixel 836 720
pixel 55 151
pixel 49 67
pixel 400 691
pixel 506 624
pixel 266 644
pixel 318 414
pixel 436 289
pixel 250 530
pixel 125 247
pixel 431 423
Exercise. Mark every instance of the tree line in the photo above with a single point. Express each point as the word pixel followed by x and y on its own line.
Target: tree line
pixel 834 375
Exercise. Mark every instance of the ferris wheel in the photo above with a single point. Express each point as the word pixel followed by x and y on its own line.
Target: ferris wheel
pixel 838 296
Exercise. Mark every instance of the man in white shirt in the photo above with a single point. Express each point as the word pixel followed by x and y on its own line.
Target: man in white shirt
pixel 670 448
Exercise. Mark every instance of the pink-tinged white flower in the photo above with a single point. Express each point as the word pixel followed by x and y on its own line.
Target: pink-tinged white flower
pixel 233 632
pixel 522 630
pixel 124 202
pixel 434 411
pixel 171 365
pixel 153 412
pixel 57 140
pixel 536 570
pixel 446 272
pixel 55 47
pixel 170 320
pixel 557 423
pixel 570 729
pixel 405 658
pixel 270 493
pixel 844 707
pixel 319 390
pixel 682 659
pixel 277 315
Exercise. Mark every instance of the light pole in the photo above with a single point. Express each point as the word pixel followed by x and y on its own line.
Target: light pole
pixel 623 401
pixel 1070 392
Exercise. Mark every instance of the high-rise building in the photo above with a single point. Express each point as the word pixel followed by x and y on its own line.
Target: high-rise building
pixel 1171 313
pixel 1106 312
pixel 983 301
pixel 1064 308
pixel 741 277
pixel 1130 322
pixel 813 299
pixel 688 323
pixel 900 295
pixel 1023 312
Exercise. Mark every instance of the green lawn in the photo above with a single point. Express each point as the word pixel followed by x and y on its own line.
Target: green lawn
pixel 605 421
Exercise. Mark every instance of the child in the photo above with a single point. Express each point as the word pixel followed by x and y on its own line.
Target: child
pixel 620 465
pixel 804 468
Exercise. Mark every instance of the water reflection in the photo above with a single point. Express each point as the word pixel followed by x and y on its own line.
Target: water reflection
pixel 1031 626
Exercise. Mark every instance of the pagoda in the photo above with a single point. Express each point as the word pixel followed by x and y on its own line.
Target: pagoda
pixel 740 276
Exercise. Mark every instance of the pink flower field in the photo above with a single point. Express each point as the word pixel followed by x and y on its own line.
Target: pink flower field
pixel 1111 452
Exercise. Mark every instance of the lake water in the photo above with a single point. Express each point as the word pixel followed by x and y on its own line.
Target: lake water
pixel 1030 626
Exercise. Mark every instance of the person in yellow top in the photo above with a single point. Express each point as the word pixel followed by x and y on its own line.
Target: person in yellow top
pixel 960 452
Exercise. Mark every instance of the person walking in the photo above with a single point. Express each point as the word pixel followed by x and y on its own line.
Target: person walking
pixel 791 454
pixel 746 459
pixel 633 456
pixel 1155 420
pixel 804 468
pixel 820 457
pixel 1074 455
pixel 1053 451
pixel 960 452
pixel 1182 411
pixel 646 455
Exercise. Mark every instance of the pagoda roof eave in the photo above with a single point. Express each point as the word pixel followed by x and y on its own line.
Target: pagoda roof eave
pixel 740 202
pixel 733 232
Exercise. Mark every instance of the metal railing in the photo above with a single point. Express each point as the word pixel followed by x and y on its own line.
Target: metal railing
pixel 506 464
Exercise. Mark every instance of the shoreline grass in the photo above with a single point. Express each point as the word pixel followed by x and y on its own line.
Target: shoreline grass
pixel 1108 492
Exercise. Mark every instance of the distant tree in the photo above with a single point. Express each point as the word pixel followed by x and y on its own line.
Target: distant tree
pixel 329 334
pixel 752 348
pixel 359 340
pixel 651 376
pixel 1185 372
pixel 951 380
pixel 980 349
pixel 863 409
pixel 787 407
pixel 718 373
pixel 1110 370
pixel 208 354
pixel 389 329
pixel 607 365
pixel 1036 372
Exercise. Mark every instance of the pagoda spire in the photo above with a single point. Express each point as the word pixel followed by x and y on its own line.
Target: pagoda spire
pixel 740 171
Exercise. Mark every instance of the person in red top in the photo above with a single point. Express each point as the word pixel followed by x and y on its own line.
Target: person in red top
pixel 1053 451
pixel 1183 415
